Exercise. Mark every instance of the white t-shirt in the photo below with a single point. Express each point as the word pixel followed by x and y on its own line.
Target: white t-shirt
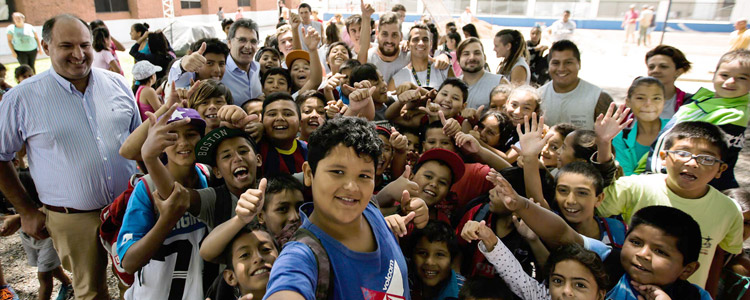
pixel 388 69
pixel 562 30
pixel 102 59
pixel 436 77
pixel 575 107
pixel 520 62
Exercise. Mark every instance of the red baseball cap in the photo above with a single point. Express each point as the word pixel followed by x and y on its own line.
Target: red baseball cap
pixel 454 162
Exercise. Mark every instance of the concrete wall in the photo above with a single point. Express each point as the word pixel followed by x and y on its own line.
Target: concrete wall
pixel 609 24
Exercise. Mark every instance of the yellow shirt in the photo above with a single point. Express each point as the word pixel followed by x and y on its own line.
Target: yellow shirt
pixel 739 40
pixel 719 218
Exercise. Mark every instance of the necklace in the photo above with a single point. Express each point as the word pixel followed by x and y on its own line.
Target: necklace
pixel 416 78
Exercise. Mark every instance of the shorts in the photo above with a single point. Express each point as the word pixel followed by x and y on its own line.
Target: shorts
pixel 40 253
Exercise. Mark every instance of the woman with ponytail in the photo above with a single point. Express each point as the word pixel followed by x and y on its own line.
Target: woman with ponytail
pixel 511 46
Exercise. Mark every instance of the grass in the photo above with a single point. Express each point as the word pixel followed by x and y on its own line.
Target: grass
pixel 126 63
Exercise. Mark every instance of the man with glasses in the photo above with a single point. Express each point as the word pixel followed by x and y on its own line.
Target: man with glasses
pixel 242 73
pixel 693 156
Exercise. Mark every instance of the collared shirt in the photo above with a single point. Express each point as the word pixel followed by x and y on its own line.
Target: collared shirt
pixel 72 138
pixel 244 85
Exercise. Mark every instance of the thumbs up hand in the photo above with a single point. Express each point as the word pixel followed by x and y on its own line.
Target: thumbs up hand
pixel 251 202
pixel 194 61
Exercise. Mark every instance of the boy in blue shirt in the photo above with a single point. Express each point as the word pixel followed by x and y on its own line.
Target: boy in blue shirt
pixel 365 258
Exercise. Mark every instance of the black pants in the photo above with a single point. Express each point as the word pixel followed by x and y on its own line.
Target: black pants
pixel 27 58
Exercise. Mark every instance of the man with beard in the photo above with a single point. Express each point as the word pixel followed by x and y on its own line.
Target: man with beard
pixel 421 72
pixel 388 56
pixel 472 61
pixel 567 98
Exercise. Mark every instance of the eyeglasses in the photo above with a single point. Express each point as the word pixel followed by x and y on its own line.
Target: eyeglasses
pixel 243 41
pixel 703 159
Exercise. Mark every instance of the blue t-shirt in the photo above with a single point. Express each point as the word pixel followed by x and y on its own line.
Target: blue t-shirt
pixel 176 269
pixel 623 290
pixel 356 275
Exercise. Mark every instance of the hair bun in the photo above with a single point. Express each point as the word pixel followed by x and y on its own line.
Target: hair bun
pixel 145 25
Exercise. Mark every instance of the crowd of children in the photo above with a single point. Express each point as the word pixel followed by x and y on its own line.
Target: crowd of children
pixel 364 168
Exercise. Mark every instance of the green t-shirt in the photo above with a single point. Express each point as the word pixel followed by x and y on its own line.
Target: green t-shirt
pixel 23 38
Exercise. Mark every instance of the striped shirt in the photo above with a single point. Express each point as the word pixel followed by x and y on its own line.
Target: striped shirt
pixel 72 138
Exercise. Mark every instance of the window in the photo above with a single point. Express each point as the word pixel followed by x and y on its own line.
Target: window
pixel 190 4
pixel 243 2
pixel 111 5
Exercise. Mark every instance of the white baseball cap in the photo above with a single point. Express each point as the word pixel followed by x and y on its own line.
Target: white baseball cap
pixel 144 69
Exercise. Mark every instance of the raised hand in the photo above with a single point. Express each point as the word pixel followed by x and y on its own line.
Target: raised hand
pixel 295 20
pixel 334 81
pixel 367 9
pixel 467 142
pixel 234 116
pixel 160 134
pixel 470 113
pixel 417 206
pixel 531 138
pixel 333 108
pixel 505 192
pixel 362 94
pixel 398 223
pixel 175 205
pixel 450 125
pixel 251 202
pixel 431 109
pixel 398 141
pixel 474 230
pixel 607 126
pixel 311 38
pixel 195 60
pixel 406 87
pixel 254 128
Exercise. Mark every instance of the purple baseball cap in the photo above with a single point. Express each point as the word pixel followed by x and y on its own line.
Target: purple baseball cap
pixel 195 118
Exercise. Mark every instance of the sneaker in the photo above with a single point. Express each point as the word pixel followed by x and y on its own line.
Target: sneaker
pixel 7 293
pixel 65 292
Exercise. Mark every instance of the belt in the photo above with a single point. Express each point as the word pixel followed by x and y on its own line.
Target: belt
pixel 68 210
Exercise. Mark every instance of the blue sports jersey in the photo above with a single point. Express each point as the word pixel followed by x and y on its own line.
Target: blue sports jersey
pixel 175 271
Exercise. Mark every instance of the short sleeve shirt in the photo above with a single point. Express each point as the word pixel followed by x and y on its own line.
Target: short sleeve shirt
pixel 719 218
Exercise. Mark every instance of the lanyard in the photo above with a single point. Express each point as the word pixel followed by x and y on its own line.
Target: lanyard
pixel 416 78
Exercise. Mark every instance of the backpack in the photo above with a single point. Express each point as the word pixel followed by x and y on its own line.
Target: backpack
pixel 324 289
pixel 112 216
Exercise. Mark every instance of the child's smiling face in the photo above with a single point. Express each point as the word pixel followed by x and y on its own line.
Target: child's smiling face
pixel 576 195
pixel 253 255
pixel 435 138
pixel 281 121
pixel 434 181
pixel 732 80
pixel 432 261
pixel 551 149
pixel 451 101
pixel 650 256
pixel 572 280
pixel 182 153
pixel 341 186
pixel 237 163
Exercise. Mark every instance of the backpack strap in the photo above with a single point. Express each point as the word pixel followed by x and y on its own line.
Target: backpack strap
pixel 325 276
pixel 223 205
pixel 481 213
